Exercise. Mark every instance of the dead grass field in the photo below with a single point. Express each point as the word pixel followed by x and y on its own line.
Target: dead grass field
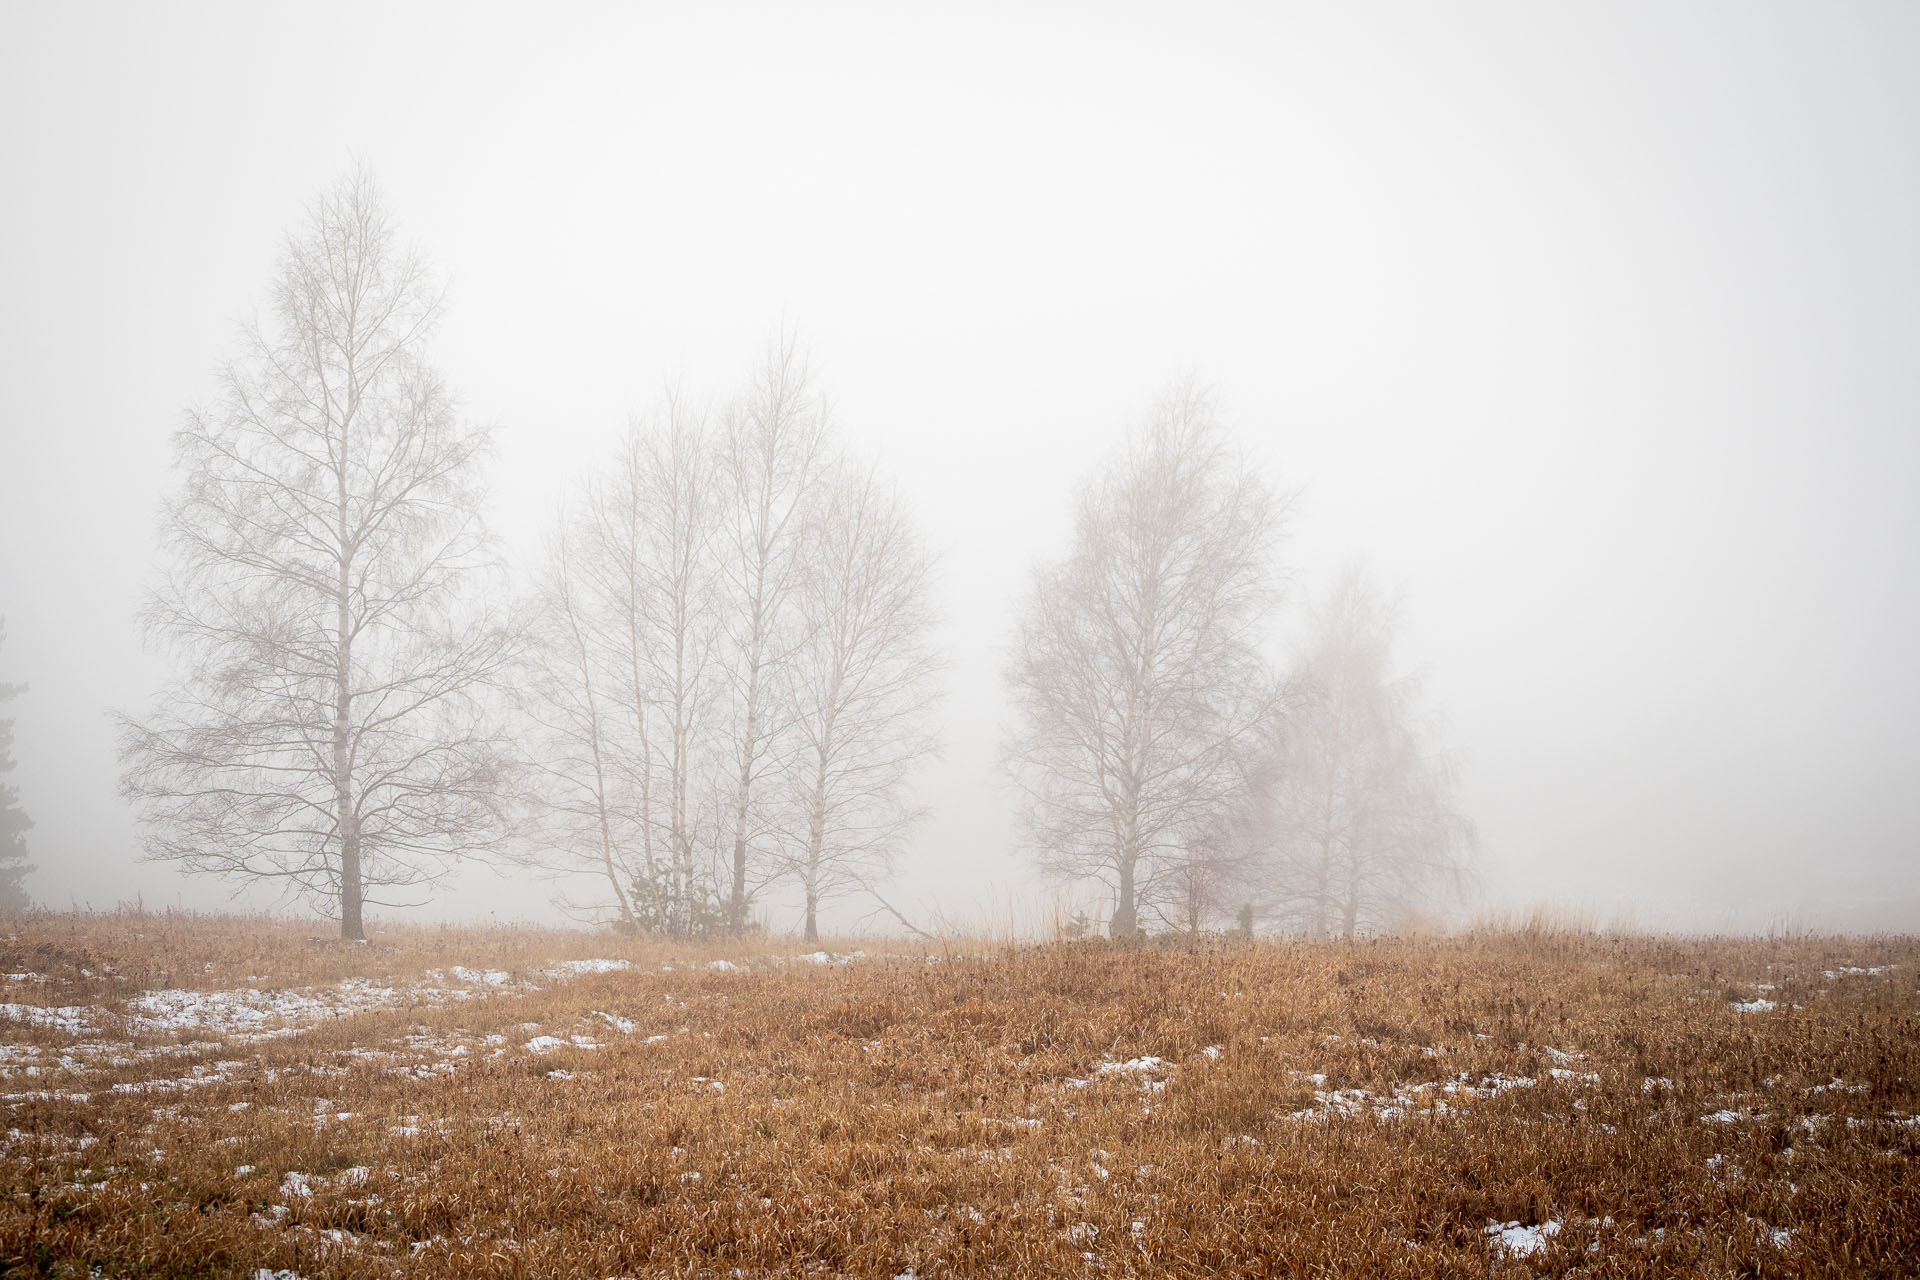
pixel 214 1097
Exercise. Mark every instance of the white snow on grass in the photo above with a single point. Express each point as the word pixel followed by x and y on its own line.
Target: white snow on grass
pixel 545 1044
pixel 1755 1005
pixel 74 1019
pixel 45 1095
pixel 567 969
pixel 1837 1085
pixel 1517 1240
pixel 1854 970
pixel 203 1074
pixel 1430 1099
pixel 249 1009
pixel 1727 1116
pixel 482 977
pixel 296 1184
pixel 258 1014
pixel 1144 1068
pixel 1490 1086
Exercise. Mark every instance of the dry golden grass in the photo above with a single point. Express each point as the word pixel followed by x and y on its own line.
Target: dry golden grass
pixel 948 1115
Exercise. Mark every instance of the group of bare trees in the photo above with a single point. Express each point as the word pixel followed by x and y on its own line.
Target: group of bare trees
pixel 1137 670
pixel 1351 815
pixel 724 663
pixel 1161 752
pixel 721 677
pixel 732 668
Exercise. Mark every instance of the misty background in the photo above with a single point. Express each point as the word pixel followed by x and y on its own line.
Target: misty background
pixel 1591 328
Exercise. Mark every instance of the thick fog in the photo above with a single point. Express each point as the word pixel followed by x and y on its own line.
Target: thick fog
pixel 1590 328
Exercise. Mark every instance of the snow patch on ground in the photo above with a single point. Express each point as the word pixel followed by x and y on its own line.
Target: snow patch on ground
pixel 75 1019
pixel 568 969
pixel 252 1014
pixel 482 977
pixel 1426 1099
pixel 1584 1077
pixel 1854 970
pixel 1727 1116
pixel 1517 1240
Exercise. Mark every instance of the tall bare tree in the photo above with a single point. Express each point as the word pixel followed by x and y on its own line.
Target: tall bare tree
pixel 772 451
pixel 1355 822
pixel 1137 669
pixel 861 687
pixel 622 673
pixel 658 519
pixel 572 696
pixel 326 595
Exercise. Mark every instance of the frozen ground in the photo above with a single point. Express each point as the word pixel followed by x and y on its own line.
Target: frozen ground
pixel 105 1099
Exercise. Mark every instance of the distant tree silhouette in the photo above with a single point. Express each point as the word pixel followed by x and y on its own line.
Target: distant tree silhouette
pixel 1352 823
pixel 1137 670
pixel 14 822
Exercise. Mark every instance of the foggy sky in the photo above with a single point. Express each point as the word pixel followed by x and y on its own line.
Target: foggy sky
pixel 1592 327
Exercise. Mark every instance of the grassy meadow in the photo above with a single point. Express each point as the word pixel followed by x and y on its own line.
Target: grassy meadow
pixel 221 1097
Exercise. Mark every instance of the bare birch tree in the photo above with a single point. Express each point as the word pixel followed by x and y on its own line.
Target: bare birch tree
pixel 861 688
pixel 1355 821
pixel 324 593
pixel 572 696
pixel 659 518
pixel 1137 670
pixel 617 536
pixel 772 452
pixel 733 663
pixel 617 682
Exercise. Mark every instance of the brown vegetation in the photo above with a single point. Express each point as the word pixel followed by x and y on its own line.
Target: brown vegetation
pixel 1341 1108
